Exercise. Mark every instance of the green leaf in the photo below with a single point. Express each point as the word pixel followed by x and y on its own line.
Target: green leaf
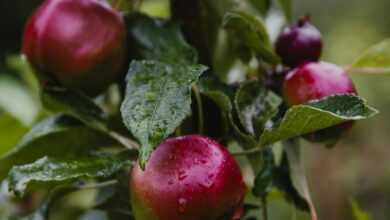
pixel 255 106
pixel 286 6
pixel 297 173
pixel 22 105
pixel 160 40
pixel 14 132
pixel 263 180
pixel 261 5
pixel 358 213
pixel 250 31
pixel 221 95
pixel 54 170
pixel 72 103
pixel 79 106
pixel 158 99
pixel 317 115
pixel 376 59
pixel 57 136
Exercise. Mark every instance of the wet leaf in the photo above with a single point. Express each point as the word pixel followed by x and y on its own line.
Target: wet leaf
pixel 317 115
pixel 56 136
pixel 158 99
pixel 162 40
pixel 49 169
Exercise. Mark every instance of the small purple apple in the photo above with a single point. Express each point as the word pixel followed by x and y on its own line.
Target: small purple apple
pixel 299 43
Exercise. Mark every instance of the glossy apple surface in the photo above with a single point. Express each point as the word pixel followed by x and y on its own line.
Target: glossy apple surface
pixel 316 80
pixel 80 44
pixel 188 178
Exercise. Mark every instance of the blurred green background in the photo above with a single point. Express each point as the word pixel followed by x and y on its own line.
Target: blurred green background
pixel 359 167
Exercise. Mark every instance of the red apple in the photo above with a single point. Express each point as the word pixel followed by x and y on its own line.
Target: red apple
pixel 188 178
pixel 316 80
pixel 80 44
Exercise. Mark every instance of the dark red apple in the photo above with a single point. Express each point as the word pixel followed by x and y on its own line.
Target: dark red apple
pixel 299 43
pixel 80 44
pixel 188 178
pixel 316 80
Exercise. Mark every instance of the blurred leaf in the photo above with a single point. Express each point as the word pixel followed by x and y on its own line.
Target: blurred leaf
pixel 251 32
pixel 221 95
pixel 19 64
pixel 262 5
pixel 375 59
pixel 21 105
pixel 158 99
pixel 54 170
pixel 95 214
pixel 297 173
pixel 160 40
pixel 317 115
pixel 118 205
pixel 79 106
pixel 282 180
pixel 358 213
pixel 217 93
pixel 263 180
pixel 62 100
pixel 255 106
pixel 125 5
pixel 12 132
pixel 286 6
pixel 57 136
pixel 41 213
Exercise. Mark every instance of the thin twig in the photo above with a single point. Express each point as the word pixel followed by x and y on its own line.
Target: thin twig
pixel 98 185
pixel 246 152
pixel 200 109
pixel 128 143
pixel 264 209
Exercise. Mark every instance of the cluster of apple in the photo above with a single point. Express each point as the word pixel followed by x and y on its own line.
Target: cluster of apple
pixel 304 78
pixel 82 44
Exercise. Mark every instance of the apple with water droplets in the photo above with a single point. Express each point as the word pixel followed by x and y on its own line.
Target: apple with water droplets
pixel 188 178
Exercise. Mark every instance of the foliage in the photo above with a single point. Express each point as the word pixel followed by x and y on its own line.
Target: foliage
pixel 174 86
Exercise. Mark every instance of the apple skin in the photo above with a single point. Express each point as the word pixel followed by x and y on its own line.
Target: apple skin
pixel 79 44
pixel 299 43
pixel 188 178
pixel 315 80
